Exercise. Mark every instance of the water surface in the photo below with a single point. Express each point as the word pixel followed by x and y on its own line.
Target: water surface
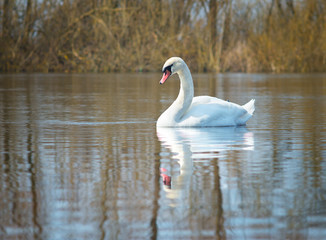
pixel 81 158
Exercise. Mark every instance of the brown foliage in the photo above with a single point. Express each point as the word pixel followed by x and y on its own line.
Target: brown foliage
pixel 120 35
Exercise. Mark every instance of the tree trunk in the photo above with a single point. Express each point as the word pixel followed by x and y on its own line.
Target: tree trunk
pixel 28 25
pixel 212 18
pixel 6 23
pixel 226 29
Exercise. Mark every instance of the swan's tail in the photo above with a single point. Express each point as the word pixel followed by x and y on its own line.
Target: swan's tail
pixel 250 106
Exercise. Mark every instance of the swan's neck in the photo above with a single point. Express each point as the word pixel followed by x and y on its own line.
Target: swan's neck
pixel 186 94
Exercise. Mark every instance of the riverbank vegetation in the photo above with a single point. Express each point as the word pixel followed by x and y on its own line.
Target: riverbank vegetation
pixel 121 35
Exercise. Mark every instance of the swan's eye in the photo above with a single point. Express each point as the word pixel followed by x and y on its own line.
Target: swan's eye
pixel 168 68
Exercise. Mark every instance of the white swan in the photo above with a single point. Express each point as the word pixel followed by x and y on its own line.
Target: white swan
pixel 202 111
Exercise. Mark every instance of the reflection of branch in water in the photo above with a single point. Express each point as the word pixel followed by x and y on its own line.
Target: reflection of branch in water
pixel 220 230
pixel 155 205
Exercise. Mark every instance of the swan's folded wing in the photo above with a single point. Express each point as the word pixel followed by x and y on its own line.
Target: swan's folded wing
pixel 210 111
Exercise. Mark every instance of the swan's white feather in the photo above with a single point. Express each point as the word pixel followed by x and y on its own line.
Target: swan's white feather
pixel 208 111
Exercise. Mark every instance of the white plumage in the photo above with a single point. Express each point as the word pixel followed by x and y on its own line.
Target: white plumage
pixel 201 111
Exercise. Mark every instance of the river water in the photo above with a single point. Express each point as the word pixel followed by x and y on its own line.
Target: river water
pixel 81 158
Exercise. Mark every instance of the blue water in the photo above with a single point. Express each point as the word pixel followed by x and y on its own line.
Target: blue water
pixel 81 158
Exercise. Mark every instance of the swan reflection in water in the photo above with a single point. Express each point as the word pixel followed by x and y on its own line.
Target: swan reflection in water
pixel 197 145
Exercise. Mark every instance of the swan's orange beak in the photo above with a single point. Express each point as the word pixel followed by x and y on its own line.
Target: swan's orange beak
pixel 165 76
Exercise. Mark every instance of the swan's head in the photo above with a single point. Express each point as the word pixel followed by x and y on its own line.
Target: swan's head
pixel 171 66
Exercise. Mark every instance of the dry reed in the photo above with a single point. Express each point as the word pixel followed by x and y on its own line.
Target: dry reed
pixel 121 35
